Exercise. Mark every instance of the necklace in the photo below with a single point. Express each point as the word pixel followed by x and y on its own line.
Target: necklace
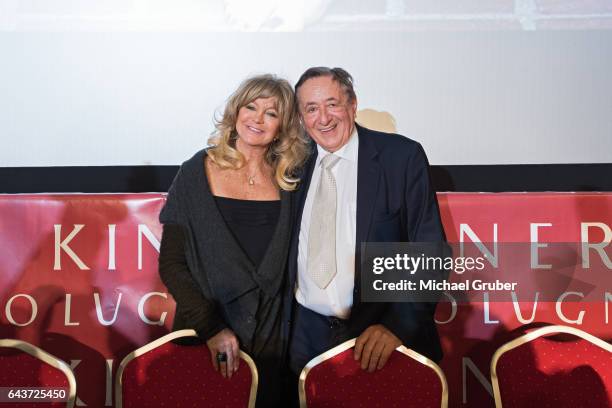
pixel 251 180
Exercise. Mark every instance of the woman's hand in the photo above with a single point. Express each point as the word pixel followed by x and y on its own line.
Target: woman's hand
pixel 225 342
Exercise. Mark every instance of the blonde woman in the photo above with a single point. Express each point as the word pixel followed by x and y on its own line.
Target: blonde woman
pixel 227 225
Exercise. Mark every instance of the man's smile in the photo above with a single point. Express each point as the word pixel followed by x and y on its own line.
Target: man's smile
pixel 328 129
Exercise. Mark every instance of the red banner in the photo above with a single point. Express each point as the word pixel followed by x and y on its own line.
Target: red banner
pixel 79 279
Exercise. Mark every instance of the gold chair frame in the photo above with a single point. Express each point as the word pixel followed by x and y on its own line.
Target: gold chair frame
pixel 49 359
pixel 165 339
pixel 350 344
pixel 526 338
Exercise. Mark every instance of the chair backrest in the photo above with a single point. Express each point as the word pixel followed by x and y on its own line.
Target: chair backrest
pixel 181 375
pixel 535 370
pixel 26 366
pixel 335 379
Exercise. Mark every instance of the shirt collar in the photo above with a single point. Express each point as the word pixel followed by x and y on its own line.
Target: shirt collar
pixel 347 152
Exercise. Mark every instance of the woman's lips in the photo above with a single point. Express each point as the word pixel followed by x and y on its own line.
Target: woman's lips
pixel 252 129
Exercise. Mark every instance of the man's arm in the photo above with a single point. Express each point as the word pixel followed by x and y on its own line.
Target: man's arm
pixel 374 347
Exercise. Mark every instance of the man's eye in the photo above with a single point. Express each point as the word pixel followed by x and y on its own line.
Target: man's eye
pixel 311 109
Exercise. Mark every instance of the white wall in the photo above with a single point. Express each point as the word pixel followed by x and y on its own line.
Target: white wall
pixel 75 90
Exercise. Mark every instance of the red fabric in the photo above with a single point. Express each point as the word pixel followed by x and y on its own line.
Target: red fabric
pixel 182 376
pixel 403 382
pixel 556 372
pixel 472 334
pixel 20 369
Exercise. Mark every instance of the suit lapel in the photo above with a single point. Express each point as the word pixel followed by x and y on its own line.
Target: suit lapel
pixel 368 175
pixel 299 209
pixel 305 184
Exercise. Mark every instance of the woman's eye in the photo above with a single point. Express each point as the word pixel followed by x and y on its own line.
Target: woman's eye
pixel 273 114
pixel 250 107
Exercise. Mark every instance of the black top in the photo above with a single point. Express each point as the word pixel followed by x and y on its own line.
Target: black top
pixel 251 222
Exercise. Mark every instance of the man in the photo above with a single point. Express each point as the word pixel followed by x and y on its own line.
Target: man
pixel 358 186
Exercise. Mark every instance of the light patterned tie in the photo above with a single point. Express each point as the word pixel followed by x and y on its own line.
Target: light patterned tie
pixel 322 234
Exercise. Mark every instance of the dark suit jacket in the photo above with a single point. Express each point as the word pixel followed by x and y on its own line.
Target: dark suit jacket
pixel 395 203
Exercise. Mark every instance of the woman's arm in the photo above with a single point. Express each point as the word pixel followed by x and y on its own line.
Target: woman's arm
pixel 197 311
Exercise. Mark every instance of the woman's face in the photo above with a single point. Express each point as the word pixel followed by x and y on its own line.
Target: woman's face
pixel 258 123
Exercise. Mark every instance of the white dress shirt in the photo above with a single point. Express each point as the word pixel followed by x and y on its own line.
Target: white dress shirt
pixel 337 298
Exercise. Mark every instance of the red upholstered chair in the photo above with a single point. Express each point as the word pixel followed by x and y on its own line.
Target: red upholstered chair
pixel 536 370
pixel 335 379
pixel 163 373
pixel 24 365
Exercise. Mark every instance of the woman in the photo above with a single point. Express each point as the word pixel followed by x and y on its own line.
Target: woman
pixel 227 228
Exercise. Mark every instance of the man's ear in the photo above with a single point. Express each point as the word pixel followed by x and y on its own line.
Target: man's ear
pixel 354 106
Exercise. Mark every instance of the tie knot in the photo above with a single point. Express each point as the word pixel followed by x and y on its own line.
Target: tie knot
pixel 329 161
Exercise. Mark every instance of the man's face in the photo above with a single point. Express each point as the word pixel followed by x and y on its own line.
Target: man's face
pixel 326 112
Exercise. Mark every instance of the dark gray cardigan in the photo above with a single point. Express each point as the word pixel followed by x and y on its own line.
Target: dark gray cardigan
pixel 231 289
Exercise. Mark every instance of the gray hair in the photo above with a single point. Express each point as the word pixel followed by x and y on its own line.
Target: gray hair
pixel 337 74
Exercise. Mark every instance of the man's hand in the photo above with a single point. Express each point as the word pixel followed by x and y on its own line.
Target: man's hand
pixel 225 342
pixel 374 346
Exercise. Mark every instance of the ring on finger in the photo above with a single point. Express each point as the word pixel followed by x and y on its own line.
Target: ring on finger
pixel 221 357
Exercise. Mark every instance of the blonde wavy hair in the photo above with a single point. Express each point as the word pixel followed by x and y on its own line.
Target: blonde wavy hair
pixel 286 154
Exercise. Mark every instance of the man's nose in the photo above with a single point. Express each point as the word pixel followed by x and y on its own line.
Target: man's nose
pixel 324 117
